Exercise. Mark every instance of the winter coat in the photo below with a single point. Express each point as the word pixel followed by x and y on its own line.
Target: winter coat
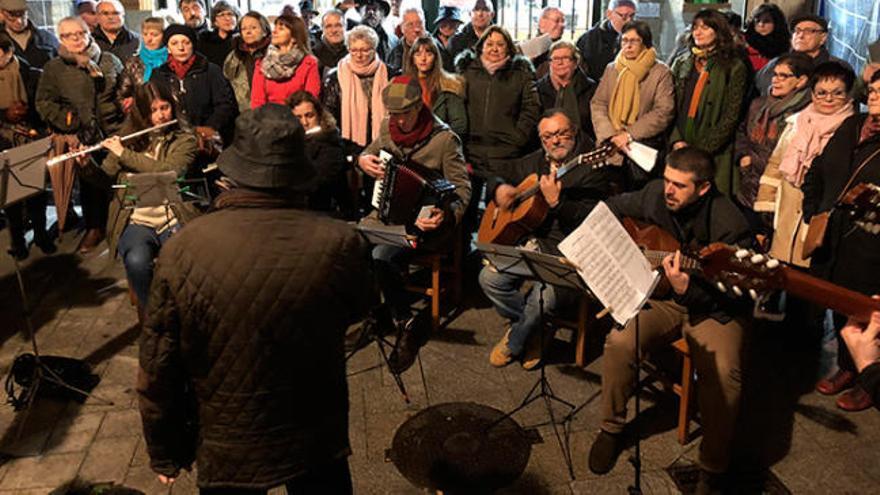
pixel 716 121
pixel 464 39
pixel 712 218
pixel 125 46
pixel 205 95
pixel 449 106
pixel 215 48
pixel 305 77
pixel 72 102
pixel 326 151
pixel 584 88
pixel 850 256
pixel 598 47
pixel 42 46
pixel 764 77
pixel 238 69
pixel 242 364
pixel 328 56
pixel 503 110
pixel 176 151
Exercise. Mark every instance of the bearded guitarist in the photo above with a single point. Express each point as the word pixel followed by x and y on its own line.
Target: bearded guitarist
pixel 570 200
pixel 686 204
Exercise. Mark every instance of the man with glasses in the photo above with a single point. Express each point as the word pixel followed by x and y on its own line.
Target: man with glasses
pixel 809 33
pixel 551 25
pixel 37 46
pixel 330 49
pixel 412 25
pixel 600 44
pixel 482 16
pixel 112 35
pixel 583 188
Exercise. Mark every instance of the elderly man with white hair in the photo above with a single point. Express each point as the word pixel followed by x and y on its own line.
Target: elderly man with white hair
pixel 600 44
pixel 112 35
pixel 35 45
pixel 412 25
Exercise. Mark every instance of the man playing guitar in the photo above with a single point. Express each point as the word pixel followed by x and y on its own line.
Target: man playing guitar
pixel 686 204
pixel 570 200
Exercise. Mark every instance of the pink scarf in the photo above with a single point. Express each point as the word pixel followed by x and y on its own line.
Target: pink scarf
pixel 354 101
pixel 812 130
pixel 492 67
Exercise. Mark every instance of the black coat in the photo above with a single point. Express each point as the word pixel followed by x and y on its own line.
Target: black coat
pixel 326 151
pixel 466 39
pixel 328 56
pixel 125 46
pixel 850 256
pixel 248 311
pixel 206 96
pixel 712 218
pixel 598 47
pixel 42 46
pixel 584 87
pixel 215 48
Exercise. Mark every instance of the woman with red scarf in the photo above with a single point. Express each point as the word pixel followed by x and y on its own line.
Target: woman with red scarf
pixel 288 66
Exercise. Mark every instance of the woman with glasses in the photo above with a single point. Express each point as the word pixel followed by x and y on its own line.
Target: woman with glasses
pixel 767 35
pixel 216 44
pixel 566 86
pixel 250 45
pixel 77 96
pixel 441 91
pixel 850 256
pixel 288 65
pixel 635 100
pixel 710 86
pixel 765 123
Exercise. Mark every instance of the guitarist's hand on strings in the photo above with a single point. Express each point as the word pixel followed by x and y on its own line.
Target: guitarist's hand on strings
pixel 504 195
pixel 372 166
pixel 432 222
pixel 551 189
pixel 678 279
pixel 862 341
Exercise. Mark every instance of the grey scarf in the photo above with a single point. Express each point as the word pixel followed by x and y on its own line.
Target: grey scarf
pixel 279 66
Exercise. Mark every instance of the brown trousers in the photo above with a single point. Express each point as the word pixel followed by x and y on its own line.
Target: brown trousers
pixel 716 352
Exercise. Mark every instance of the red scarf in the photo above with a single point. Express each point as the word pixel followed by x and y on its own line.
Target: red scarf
pixel 181 68
pixel 420 131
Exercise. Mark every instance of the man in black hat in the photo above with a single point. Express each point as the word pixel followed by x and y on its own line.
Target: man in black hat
pixel 35 45
pixel 373 13
pixel 308 13
pixel 241 358
pixel 482 16
pixel 330 48
pixel 412 132
pixel 445 26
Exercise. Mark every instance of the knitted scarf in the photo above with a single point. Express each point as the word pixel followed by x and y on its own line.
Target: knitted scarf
pixel 278 66
pixel 624 106
pixel 492 67
pixel 420 131
pixel 812 131
pixel 181 68
pixel 152 59
pixel 11 85
pixel 86 60
pixel 354 101
pixel 704 63
pixel 763 126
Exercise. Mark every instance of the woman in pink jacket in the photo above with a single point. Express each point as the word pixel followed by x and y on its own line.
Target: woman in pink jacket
pixel 288 66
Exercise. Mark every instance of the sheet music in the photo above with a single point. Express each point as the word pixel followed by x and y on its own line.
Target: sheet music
pixel 611 263
pixel 643 155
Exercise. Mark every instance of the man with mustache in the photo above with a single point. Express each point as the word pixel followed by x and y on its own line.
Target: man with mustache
pixel 570 198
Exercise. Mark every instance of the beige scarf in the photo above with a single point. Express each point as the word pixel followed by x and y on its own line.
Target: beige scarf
pixel 354 101
pixel 624 107
pixel 11 86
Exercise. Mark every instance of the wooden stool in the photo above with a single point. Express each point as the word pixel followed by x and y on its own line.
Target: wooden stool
pixel 684 390
pixel 441 263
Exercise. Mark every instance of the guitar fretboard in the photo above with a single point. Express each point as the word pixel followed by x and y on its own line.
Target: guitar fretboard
pixel 656 259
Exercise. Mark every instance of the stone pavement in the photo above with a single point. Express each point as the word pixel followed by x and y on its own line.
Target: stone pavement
pixel 82 310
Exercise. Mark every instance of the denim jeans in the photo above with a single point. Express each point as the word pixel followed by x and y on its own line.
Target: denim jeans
pixel 523 310
pixel 138 247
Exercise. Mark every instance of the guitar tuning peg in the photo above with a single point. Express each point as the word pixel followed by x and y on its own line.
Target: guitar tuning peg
pixel 875 228
pixel 753 294
pixel 736 290
pixel 721 286
pixel 772 263
pixel 741 253
pixel 758 258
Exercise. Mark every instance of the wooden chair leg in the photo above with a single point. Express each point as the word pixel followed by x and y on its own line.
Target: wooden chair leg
pixel 580 357
pixel 435 294
pixel 684 407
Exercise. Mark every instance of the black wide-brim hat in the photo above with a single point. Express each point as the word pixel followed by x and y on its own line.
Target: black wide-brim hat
pixel 268 151
pixel 385 6
pixel 448 12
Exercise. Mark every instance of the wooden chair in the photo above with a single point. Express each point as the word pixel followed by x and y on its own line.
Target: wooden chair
pixel 446 278
pixel 684 390
pixel 580 325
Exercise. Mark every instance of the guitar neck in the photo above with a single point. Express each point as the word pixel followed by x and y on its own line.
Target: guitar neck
pixel 845 301
pixel 594 158
pixel 656 259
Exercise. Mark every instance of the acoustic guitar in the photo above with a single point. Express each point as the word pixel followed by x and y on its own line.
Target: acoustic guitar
pixel 863 204
pixel 528 210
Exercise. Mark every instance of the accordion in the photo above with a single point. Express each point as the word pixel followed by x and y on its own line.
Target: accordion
pixel 406 188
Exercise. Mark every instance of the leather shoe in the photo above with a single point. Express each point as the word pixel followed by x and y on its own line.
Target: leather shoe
pixel 532 356
pixel 406 350
pixel 854 399
pixel 841 380
pixel 605 451
pixel 90 241
pixel 500 355
pixel 18 251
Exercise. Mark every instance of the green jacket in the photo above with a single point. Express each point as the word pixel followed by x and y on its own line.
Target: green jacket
pixel 717 116
pixel 449 106
pixel 176 151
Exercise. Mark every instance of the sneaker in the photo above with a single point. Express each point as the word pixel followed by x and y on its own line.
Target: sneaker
pixel 500 355
pixel 605 451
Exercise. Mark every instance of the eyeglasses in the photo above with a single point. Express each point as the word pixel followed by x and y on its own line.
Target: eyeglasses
pixel 630 41
pixel 76 35
pixel 108 13
pixel 834 95
pixel 873 92
pixel 559 60
pixel 561 134
pixel 783 75
pixel 625 17
pixel 361 51
pixel 808 31
pixel 226 14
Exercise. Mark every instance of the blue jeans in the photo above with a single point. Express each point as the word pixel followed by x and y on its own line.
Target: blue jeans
pixel 138 247
pixel 390 263
pixel 523 310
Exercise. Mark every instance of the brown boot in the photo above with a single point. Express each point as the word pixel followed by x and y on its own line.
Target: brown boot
pixel 500 355
pixel 91 240
pixel 841 380
pixel 854 399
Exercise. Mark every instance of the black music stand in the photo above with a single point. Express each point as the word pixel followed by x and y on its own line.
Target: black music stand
pixel 377 232
pixel 22 174
pixel 543 269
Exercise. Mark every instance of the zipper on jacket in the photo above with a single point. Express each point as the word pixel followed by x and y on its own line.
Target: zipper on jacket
pixel 486 105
